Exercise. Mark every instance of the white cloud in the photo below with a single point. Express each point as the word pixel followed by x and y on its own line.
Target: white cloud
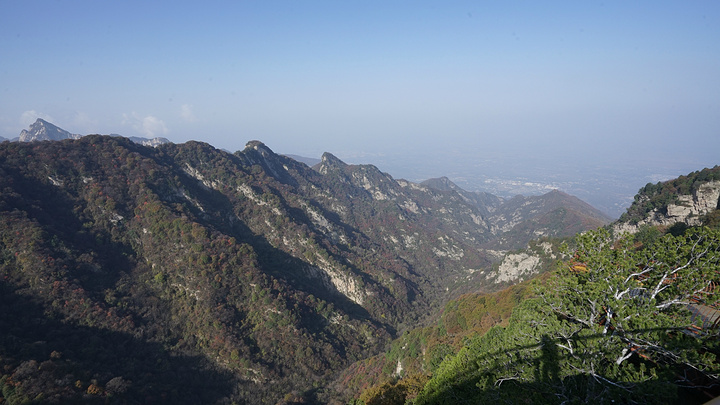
pixel 30 116
pixel 154 126
pixel 149 126
pixel 187 114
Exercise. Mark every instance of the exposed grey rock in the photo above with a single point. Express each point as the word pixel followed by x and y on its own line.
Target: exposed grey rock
pixel 688 209
pixel 152 142
pixel 42 130
pixel 329 162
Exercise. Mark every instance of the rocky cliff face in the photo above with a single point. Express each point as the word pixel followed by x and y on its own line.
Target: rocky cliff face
pixel 702 197
pixel 42 130
pixel 688 209
pixel 151 142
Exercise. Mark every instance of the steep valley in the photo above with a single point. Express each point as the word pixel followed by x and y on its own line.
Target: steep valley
pixel 263 275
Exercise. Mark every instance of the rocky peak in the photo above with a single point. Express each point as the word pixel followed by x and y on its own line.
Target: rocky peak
pixel 257 153
pixel 260 148
pixel 330 159
pixel 42 130
pixel 328 163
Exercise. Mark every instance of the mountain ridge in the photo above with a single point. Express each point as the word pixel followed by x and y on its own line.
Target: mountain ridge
pixel 42 130
pixel 678 209
pixel 271 272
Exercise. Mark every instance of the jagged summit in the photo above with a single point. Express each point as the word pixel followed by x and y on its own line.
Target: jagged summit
pixel 254 148
pixel 276 165
pixel 330 159
pixel 260 147
pixel 42 130
pixel 329 162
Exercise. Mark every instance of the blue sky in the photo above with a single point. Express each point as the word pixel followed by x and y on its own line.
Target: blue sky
pixel 609 80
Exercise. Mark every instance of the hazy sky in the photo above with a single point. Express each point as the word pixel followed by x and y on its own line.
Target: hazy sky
pixel 564 79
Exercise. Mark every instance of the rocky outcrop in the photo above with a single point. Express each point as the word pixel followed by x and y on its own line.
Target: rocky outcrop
pixel 520 266
pixel 329 163
pixel 42 130
pixel 688 209
pixel 516 267
pixel 151 142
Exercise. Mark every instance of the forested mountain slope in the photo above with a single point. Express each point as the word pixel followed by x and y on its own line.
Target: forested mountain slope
pixel 486 202
pixel 125 269
pixel 554 214
pixel 108 238
pixel 518 220
pixel 625 318
pixel 413 357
